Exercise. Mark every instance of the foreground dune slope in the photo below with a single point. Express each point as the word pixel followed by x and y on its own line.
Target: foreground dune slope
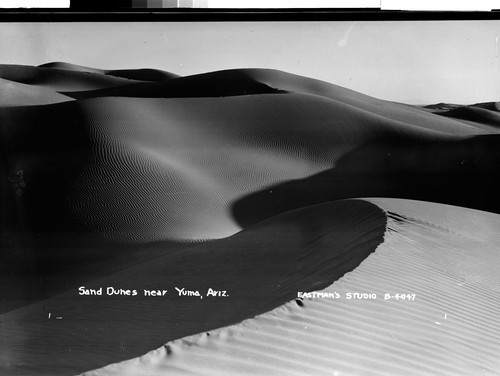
pixel 444 256
pixel 260 268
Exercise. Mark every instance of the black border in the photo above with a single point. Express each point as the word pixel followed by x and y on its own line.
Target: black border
pixel 231 15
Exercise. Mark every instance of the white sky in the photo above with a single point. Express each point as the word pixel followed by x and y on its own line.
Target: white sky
pixel 414 62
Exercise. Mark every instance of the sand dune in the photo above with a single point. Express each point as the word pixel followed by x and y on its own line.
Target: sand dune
pixel 16 94
pixel 459 172
pixel 263 81
pixel 59 79
pixel 444 255
pixel 216 84
pixel 115 171
pixel 260 268
pixel 139 178
pixel 71 67
pixel 211 151
pixel 475 114
pixel 482 115
pixel 144 74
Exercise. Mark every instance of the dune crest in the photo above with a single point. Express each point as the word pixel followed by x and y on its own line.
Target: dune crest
pixel 450 328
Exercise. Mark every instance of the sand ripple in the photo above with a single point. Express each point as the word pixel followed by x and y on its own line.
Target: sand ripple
pixel 451 328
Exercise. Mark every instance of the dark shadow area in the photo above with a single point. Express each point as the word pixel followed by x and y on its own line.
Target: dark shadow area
pixel 214 84
pixel 44 248
pixel 461 172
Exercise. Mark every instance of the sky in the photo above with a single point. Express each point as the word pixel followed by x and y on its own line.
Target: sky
pixel 417 62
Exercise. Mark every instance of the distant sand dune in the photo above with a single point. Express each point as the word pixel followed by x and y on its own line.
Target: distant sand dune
pixel 216 84
pixel 59 79
pixel 482 115
pixel 132 74
pixel 71 67
pixel 444 255
pixel 143 74
pixel 476 114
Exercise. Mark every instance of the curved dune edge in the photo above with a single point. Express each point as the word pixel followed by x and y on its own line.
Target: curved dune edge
pixel 261 268
pixel 444 255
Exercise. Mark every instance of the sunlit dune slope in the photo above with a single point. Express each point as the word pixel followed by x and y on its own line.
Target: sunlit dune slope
pixel 441 260
pixel 16 94
pixel 259 269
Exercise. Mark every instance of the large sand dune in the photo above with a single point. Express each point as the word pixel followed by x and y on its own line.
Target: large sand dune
pixel 446 256
pixel 260 268
pixel 117 176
